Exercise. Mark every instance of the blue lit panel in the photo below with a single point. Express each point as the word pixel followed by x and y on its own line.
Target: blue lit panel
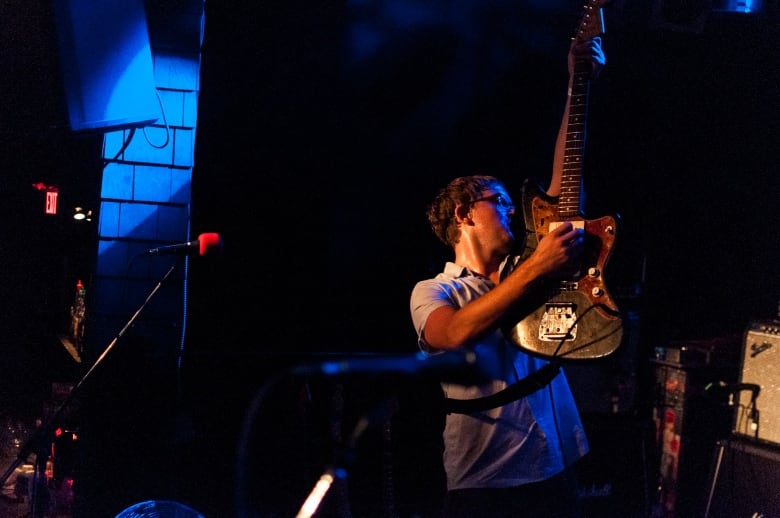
pixel 106 64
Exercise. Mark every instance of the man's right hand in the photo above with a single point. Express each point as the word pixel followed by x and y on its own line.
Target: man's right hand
pixel 558 253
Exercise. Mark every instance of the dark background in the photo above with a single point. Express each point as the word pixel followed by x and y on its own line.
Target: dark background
pixel 316 158
pixel 325 128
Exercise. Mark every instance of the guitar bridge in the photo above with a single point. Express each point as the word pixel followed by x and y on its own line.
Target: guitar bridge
pixel 558 322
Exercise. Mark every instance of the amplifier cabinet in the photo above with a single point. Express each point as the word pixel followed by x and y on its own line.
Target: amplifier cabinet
pixel 760 365
pixel 688 424
pixel 744 479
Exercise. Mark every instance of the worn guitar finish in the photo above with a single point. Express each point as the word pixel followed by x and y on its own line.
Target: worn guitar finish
pixel 574 318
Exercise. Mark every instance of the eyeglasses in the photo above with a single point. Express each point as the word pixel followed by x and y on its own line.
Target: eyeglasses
pixel 498 200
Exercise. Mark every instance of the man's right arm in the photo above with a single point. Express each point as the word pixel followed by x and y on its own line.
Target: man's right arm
pixel 448 328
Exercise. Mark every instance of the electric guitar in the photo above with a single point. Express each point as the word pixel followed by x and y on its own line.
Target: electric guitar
pixel 574 318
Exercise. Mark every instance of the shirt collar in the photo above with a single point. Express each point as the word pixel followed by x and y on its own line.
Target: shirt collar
pixel 455 270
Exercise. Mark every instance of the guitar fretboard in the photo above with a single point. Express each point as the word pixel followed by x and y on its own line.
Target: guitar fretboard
pixel 569 203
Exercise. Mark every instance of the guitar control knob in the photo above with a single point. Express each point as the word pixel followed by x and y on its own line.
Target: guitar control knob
pixel 593 272
pixel 597 292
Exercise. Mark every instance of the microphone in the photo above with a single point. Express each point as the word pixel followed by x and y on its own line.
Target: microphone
pixel 209 243
pixel 458 366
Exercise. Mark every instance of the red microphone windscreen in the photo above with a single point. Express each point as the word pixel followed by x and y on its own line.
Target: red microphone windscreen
pixel 210 243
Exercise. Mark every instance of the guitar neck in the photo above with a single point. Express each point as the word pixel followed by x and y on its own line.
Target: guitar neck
pixel 569 202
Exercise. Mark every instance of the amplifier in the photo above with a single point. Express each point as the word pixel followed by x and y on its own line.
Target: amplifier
pixel 759 418
pixel 744 479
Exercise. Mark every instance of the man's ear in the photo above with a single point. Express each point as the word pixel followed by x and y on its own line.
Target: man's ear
pixel 462 213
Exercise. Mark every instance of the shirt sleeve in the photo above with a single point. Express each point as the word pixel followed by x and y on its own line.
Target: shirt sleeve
pixel 426 296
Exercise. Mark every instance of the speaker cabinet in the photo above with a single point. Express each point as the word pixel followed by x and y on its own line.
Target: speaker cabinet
pixel 744 480
pixel 760 365
pixel 106 63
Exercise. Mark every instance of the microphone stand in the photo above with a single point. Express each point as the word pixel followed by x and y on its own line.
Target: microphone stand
pixel 37 442
pixel 377 416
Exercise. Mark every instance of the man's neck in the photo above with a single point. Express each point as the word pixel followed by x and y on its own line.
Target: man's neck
pixel 484 267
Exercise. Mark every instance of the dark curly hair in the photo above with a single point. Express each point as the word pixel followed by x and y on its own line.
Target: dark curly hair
pixel 460 191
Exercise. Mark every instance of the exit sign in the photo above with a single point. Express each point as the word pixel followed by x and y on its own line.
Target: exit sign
pixel 51 201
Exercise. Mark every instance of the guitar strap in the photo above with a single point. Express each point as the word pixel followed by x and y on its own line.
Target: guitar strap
pixel 515 391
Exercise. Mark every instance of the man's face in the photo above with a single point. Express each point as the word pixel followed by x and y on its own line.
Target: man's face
pixel 492 215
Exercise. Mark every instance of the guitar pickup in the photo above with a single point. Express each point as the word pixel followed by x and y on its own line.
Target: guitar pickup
pixel 558 322
pixel 578 223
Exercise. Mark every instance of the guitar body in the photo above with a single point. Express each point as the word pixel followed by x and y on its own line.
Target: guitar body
pixel 575 318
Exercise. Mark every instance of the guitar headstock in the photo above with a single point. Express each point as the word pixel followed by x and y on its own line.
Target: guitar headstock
pixel 592 21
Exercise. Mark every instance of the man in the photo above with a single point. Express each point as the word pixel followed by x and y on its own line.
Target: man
pixel 512 459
